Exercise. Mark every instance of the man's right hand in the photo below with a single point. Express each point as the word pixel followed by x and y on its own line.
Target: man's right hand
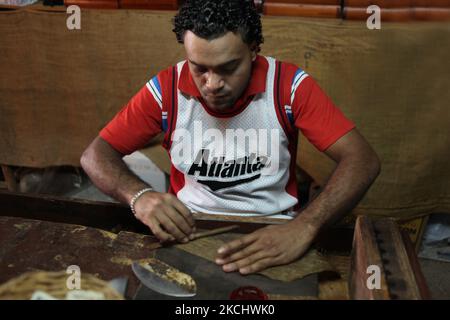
pixel 166 216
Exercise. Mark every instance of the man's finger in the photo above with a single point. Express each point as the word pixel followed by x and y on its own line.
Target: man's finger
pixel 158 232
pixel 258 265
pixel 178 220
pixel 247 261
pixel 170 227
pixel 184 211
pixel 235 245
pixel 241 254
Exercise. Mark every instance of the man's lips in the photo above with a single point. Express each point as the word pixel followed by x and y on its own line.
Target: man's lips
pixel 217 97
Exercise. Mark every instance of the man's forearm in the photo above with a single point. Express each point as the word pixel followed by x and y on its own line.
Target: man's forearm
pixel 345 188
pixel 109 173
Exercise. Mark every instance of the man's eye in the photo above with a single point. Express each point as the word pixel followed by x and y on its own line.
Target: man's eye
pixel 200 70
pixel 230 69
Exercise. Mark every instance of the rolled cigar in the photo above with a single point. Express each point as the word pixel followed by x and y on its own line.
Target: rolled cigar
pixel 301 10
pixel 213 232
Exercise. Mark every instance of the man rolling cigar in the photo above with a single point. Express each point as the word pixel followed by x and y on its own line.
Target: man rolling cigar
pixel 230 119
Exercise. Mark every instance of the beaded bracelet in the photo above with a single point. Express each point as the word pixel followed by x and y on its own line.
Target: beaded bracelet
pixel 136 197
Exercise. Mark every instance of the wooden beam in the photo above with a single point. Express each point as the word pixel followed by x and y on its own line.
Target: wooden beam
pixel 381 243
pixel 420 280
pixel 365 253
pixel 300 10
pixel 400 276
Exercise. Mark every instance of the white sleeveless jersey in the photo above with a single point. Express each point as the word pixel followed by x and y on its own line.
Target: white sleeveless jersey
pixel 235 165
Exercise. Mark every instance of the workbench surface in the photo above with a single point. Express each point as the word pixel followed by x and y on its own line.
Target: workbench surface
pixel 30 245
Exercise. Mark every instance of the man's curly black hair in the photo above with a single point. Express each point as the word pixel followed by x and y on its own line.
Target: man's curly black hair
pixel 211 19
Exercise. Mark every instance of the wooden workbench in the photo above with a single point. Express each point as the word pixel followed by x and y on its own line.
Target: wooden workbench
pixel 48 233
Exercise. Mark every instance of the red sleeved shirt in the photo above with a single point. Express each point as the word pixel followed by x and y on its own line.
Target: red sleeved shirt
pixel 321 122
pixel 139 120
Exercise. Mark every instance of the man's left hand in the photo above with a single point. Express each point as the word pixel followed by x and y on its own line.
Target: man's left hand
pixel 270 246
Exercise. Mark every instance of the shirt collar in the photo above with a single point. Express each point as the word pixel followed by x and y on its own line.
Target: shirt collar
pixel 257 83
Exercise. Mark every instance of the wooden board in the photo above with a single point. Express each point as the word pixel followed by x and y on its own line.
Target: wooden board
pixel 94 4
pixel 397 3
pixel 302 10
pixel 399 14
pixel 30 245
pixel 149 4
pixel 26 248
pixel 366 253
pixel 213 283
pixel 380 243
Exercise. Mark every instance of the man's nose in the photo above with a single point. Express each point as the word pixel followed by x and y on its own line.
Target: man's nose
pixel 214 82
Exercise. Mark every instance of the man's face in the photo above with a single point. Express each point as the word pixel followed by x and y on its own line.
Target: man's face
pixel 221 68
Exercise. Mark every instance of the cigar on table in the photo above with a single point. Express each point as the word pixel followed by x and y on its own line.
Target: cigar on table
pixel 207 233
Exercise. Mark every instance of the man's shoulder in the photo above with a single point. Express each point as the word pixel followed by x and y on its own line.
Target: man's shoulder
pixel 293 80
pixel 165 75
pixel 285 65
pixel 288 71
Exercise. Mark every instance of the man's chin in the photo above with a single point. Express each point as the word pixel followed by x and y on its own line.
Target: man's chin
pixel 219 106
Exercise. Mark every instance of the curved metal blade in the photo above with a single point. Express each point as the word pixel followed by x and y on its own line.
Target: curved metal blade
pixel 158 284
pixel 119 284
